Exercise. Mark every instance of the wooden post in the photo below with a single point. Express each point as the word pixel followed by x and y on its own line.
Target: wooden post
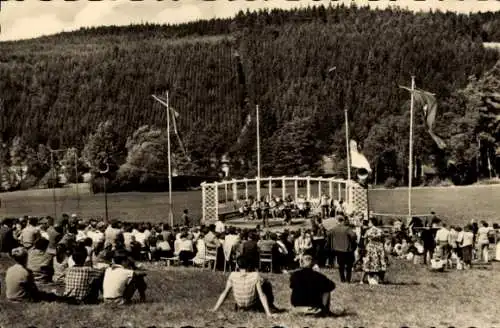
pixel 235 191
pixel 246 189
pixel 216 200
pixel 203 202
pixel 340 191
pixel 283 187
pixel 319 187
pixel 225 189
pixel 347 188
pixel 308 188
pixel 330 189
pixel 270 187
pixel 296 185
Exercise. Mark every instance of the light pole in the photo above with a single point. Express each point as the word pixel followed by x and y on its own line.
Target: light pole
pixel 103 172
pixel 166 103
pixel 331 71
pixel 77 181
pixel 55 178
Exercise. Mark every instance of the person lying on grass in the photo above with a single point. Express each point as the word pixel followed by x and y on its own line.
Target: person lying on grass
pixel 250 290
pixel 310 289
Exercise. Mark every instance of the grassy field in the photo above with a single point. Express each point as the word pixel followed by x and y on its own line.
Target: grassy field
pixel 456 205
pixel 178 297
pixel 414 297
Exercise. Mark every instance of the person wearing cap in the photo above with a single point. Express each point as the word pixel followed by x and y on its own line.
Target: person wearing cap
pixel 19 281
pixel 121 281
pixel 310 289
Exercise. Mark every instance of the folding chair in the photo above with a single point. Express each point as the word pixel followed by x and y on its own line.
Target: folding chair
pixel 266 257
pixel 211 255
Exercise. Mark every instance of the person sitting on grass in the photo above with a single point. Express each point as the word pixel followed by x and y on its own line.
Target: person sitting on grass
pixel 121 280
pixel 310 289
pixel 60 264
pixel 81 283
pixel 250 290
pixel 40 262
pixel 19 282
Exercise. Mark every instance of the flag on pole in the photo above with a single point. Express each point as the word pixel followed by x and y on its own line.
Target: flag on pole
pixel 427 101
pixel 358 160
pixel 175 114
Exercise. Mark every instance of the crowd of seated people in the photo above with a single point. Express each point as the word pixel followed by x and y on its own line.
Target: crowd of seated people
pixel 86 261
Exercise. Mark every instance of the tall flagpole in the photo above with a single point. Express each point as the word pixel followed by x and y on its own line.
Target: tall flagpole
pixel 347 145
pixel 348 200
pixel 258 151
pixel 410 166
pixel 170 214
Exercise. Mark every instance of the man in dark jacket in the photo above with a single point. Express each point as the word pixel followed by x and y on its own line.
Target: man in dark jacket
pixel 250 251
pixel 342 240
pixel 7 240
pixel 311 289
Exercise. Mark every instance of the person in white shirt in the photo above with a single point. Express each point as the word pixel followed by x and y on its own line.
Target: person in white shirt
pixel 141 237
pixel 111 233
pixel 303 244
pixel 467 242
pixel 163 248
pixel 97 234
pixel 219 226
pixel 199 259
pixel 81 233
pixel 483 241
pixel 121 282
pixel 442 242
pixel 325 208
pixel 185 248
pixel 228 245
pixel 128 237
pixel 196 233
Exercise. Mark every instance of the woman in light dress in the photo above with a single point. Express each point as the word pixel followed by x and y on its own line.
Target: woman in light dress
pixel 374 261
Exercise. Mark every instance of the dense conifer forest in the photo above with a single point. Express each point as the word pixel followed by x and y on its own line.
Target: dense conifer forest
pixel 89 91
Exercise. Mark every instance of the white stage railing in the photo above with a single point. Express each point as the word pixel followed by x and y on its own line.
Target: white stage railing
pixel 225 196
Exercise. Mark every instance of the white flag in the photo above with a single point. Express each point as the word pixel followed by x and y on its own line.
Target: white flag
pixel 358 160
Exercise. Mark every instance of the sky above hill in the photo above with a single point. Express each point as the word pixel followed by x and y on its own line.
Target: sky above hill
pixel 33 18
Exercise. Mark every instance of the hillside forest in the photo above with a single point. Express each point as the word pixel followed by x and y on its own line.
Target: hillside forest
pixel 81 101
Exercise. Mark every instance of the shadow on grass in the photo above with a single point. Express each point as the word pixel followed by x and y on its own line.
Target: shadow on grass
pixel 343 313
pixel 401 283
